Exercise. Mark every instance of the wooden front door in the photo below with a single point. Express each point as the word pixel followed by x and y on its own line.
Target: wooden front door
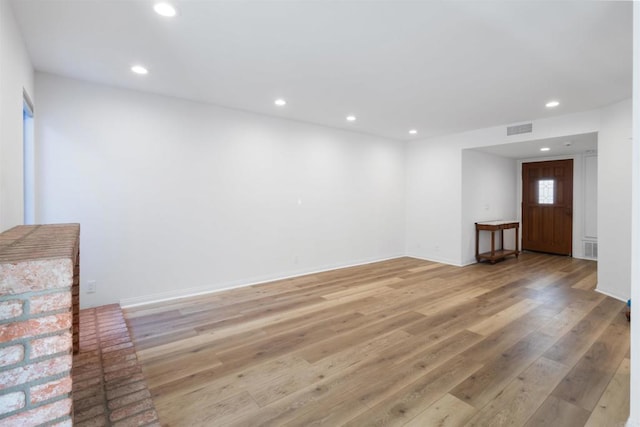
pixel 547 206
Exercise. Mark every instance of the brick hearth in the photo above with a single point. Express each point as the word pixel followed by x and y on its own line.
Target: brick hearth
pixel 109 388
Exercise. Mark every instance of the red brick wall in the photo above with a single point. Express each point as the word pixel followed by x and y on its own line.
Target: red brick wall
pixel 38 296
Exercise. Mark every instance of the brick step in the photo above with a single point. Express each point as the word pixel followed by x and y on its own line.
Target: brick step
pixel 109 388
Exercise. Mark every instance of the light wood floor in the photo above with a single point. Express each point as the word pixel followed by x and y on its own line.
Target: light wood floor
pixel 525 342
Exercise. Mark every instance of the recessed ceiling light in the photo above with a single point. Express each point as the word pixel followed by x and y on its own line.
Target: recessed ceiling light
pixel 351 118
pixel 545 149
pixel 413 131
pixel 139 69
pixel 552 104
pixel 280 102
pixel 165 9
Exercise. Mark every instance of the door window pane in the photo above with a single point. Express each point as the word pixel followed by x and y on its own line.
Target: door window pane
pixel 545 191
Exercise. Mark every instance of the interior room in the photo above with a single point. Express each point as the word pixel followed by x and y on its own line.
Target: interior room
pixel 319 213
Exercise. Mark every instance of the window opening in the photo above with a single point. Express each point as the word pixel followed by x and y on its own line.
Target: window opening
pixel 545 192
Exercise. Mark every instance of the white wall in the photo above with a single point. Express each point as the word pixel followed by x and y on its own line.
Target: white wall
pixel 488 193
pixel 590 225
pixel 16 74
pixel 614 201
pixel 434 182
pixel 177 197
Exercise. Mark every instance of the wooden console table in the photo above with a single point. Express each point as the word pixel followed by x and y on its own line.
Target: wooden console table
pixel 496 254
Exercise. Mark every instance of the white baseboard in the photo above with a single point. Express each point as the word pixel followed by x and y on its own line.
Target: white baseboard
pixel 619 298
pixel 209 289
pixel 436 259
pixel 584 258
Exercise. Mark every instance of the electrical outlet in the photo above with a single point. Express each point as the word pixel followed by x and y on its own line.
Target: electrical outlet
pixel 91 287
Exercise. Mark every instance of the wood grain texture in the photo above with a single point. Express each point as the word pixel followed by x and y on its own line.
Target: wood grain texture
pixel 448 411
pixel 590 376
pixel 613 407
pixel 521 398
pixel 402 342
pixel 558 412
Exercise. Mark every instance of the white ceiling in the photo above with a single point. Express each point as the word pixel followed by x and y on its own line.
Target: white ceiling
pixel 437 66
pixel 563 146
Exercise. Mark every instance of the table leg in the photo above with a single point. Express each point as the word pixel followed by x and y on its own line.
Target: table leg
pixel 493 243
pixel 517 242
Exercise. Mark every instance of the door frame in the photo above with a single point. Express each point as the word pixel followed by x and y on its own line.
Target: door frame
pixel 558 212
pixel 578 197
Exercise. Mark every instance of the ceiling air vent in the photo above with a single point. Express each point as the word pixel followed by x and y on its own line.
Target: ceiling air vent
pixel 518 129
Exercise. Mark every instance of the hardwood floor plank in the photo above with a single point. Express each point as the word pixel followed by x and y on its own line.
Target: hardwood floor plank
pixel 353 384
pixel 570 348
pixel 265 393
pixel 409 402
pixel 270 347
pixel 354 355
pixel 522 397
pixel 225 386
pixel 502 339
pixel 199 409
pixel 558 412
pixel 365 287
pixel 569 317
pixel 448 320
pixel 504 317
pixel 546 280
pixel 407 370
pixel 325 393
pixel 398 342
pixel 448 411
pixel 613 407
pixel 588 283
pixel 428 266
pixel 315 352
pixel 490 380
pixel 451 300
pixel 339 414
pixel 588 379
pixel 180 366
